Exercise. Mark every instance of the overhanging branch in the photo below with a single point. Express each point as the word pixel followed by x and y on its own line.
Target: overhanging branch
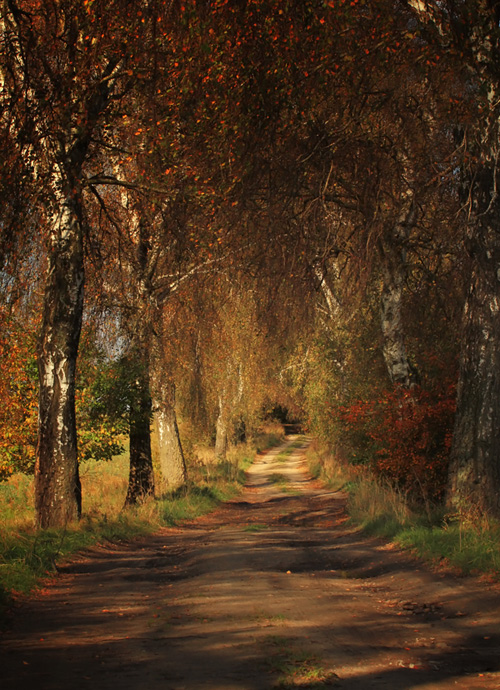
pixel 113 181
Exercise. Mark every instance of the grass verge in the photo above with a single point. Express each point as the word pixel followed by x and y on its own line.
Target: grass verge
pixel 465 541
pixel 193 501
pixel 26 555
pixel 471 548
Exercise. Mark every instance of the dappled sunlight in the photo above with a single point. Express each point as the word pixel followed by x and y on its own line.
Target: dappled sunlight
pixel 270 590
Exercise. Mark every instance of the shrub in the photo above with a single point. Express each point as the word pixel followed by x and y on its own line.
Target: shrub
pixel 404 436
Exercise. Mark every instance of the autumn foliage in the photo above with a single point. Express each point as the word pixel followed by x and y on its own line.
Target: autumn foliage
pixel 18 396
pixel 404 436
pixel 100 424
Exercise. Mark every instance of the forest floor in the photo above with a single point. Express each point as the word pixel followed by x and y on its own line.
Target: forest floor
pixel 273 590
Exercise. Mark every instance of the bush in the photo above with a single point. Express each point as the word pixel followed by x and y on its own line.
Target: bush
pixel 404 436
pixel 18 396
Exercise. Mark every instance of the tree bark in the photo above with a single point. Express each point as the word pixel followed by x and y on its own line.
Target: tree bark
pixel 221 431
pixel 393 250
pixel 170 454
pixel 332 302
pixel 141 475
pixel 197 395
pixel 52 115
pixel 229 408
pixel 474 473
pixel 57 483
pixel 391 321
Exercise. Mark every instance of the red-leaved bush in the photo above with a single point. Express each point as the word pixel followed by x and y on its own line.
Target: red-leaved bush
pixel 404 436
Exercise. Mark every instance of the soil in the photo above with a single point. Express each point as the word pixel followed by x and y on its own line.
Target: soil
pixel 274 589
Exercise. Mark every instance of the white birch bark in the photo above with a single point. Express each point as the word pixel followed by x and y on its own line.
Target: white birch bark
pixel 221 428
pixel 57 485
pixel 331 300
pixel 393 250
pixel 170 454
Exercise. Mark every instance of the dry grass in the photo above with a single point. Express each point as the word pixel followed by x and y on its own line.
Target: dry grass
pixel 269 434
pixel 104 486
pixel 323 464
pixel 378 507
pixel 16 502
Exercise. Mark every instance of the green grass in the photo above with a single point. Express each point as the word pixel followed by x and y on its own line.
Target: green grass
pixel 255 527
pixel 269 619
pixel 283 484
pixel 471 549
pixel 194 501
pixel 26 555
pixel 278 479
pixel 284 455
pixel 469 543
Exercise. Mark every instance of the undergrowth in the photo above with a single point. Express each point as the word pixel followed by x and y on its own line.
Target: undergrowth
pixel 465 541
pixel 28 555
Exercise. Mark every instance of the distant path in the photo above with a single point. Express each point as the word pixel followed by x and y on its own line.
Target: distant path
pixel 274 589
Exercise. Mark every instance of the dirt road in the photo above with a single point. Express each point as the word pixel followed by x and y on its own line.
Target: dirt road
pixel 273 590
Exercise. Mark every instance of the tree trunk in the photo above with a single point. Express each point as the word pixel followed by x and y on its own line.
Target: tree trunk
pixel 57 483
pixel 474 473
pixel 229 408
pixel 221 431
pixel 53 109
pixel 141 475
pixel 197 396
pixel 170 454
pixel 393 342
pixel 393 250
pixel 332 302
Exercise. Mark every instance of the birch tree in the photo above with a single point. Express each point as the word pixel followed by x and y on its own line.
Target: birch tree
pixel 57 89
pixel 65 67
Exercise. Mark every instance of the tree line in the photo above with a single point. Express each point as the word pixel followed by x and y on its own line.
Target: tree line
pixel 216 204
